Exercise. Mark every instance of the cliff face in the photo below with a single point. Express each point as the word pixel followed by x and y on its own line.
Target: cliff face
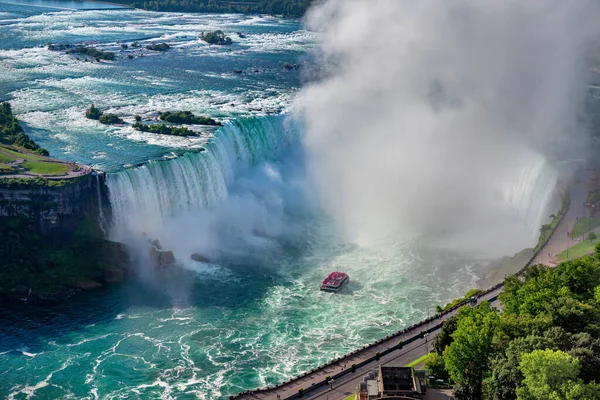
pixel 56 211
pixel 52 243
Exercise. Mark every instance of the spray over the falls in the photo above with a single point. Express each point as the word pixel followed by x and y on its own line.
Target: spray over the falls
pixel 434 116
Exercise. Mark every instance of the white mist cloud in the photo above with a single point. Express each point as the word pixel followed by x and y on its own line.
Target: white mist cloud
pixel 438 116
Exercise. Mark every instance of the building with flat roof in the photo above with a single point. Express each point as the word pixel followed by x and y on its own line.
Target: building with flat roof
pixel 390 383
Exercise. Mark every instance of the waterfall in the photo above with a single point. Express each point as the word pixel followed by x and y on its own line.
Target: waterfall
pixel 530 192
pixel 101 217
pixel 142 198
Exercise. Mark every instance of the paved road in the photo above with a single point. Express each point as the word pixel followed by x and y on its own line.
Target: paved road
pixel 71 173
pixel 345 385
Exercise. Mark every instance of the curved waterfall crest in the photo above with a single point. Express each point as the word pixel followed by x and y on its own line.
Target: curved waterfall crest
pixel 150 193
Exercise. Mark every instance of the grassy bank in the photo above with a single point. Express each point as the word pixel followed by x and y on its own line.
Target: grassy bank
pixel 584 225
pixel 418 361
pixel 506 266
pixel 45 168
pixel 15 160
pixel 579 250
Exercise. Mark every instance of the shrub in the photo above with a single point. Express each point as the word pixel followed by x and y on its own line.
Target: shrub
pixel 108 119
pixel 353 368
pixel 300 392
pixel 12 132
pixel 163 129
pixel 434 365
pixel 592 236
pixel 186 117
pixel 138 118
pixel 377 355
pixel 93 112
pixel 400 344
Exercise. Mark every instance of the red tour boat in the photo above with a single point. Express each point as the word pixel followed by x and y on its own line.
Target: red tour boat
pixel 335 281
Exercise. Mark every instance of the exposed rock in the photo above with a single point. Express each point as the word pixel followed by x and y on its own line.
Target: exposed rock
pixel 116 255
pixel 167 257
pixel 161 258
pixel 156 244
pixel 199 258
pixel 87 285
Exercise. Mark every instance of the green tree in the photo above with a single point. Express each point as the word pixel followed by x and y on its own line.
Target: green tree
pixel 466 358
pixel 435 366
pixel 444 338
pixel 591 236
pixel 11 132
pixel 93 112
pixel 546 372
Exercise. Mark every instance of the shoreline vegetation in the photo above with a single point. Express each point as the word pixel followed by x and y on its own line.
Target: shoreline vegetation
pixel 23 162
pixel 186 117
pixel 163 129
pixel 173 117
pixel 94 113
pixel 11 132
pixel 285 8
pixel 547 229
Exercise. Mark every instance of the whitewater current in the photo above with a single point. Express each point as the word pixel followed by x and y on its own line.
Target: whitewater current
pixel 253 314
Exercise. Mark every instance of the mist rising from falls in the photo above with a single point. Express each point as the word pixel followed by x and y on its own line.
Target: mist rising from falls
pixel 215 201
pixel 437 118
pixel 430 119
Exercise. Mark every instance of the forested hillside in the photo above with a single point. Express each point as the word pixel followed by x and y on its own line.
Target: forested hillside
pixel 543 344
pixel 288 8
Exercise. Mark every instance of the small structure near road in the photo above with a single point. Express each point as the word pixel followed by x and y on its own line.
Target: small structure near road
pixel 391 383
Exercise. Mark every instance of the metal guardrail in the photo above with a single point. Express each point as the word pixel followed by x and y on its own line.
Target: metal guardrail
pixel 398 333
